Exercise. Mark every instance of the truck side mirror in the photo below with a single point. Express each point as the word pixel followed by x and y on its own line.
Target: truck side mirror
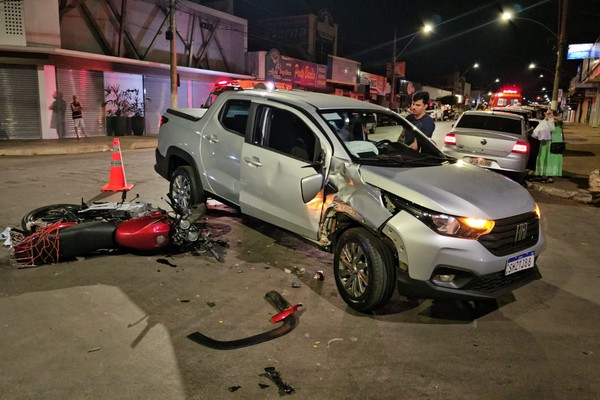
pixel 311 186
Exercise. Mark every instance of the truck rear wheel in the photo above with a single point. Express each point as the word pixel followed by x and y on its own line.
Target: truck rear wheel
pixel 185 189
pixel 364 273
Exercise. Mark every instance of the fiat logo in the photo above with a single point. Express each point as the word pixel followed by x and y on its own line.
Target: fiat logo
pixel 483 142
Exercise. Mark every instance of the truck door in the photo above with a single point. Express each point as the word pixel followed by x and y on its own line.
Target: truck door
pixel 275 161
pixel 221 148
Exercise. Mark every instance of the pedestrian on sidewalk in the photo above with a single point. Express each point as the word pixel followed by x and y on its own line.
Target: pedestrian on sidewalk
pixel 548 164
pixel 77 117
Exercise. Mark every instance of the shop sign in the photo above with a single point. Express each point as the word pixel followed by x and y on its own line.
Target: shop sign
pixel 279 67
pixel 309 74
pixel 342 70
pixel 376 82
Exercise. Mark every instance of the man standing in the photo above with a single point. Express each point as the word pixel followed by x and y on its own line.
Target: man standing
pixel 418 116
pixel 77 117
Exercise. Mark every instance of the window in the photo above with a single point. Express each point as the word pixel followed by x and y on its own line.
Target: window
pixel 235 116
pixel 492 123
pixel 286 133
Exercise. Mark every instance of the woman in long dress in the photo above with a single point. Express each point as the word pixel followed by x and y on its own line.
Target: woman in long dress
pixel 549 164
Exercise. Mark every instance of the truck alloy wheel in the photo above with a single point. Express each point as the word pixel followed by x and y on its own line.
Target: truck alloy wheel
pixel 183 187
pixel 364 273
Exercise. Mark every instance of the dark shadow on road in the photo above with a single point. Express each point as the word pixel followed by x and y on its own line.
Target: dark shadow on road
pixel 581 181
pixel 578 153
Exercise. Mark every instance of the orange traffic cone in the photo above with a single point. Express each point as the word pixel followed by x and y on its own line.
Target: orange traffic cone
pixel 117 181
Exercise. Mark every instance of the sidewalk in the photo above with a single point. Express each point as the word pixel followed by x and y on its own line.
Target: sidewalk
pixel 43 147
pixel 581 157
pixel 579 160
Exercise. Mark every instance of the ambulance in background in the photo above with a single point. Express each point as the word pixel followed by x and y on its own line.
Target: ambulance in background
pixel 506 97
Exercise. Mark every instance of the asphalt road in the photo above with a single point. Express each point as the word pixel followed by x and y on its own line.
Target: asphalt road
pixel 115 326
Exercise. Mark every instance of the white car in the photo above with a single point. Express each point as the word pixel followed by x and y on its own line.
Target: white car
pixel 490 139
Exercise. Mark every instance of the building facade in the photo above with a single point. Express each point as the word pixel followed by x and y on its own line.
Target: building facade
pixel 116 56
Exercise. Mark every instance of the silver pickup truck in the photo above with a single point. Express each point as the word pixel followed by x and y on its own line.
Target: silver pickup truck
pixel 394 216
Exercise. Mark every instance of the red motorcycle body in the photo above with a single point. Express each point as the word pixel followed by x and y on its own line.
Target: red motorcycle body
pixel 144 233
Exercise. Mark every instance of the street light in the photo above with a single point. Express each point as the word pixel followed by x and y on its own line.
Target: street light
pixel 462 79
pixel 497 80
pixel 507 16
pixel 474 66
pixel 427 28
pixel 560 39
pixel 534 66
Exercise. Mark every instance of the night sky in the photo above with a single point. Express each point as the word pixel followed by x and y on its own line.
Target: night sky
pixel 465 32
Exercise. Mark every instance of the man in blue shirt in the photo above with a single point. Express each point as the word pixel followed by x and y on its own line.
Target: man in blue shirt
pixel 419 117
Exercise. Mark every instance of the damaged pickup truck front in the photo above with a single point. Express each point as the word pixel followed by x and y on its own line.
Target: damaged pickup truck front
pixel 394 216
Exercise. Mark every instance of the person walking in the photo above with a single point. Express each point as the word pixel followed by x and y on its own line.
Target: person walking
pixel 548 164
pixel 77 117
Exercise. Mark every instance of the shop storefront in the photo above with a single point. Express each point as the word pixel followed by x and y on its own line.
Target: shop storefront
pixel 118 96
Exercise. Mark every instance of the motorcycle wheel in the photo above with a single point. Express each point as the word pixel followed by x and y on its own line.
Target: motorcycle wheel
pixel 47 215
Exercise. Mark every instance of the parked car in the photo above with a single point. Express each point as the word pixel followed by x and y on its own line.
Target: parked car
pixel 491 139
pixel 393 217
pixel 436 112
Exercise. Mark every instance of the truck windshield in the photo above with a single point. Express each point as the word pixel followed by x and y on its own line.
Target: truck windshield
pixel 381 138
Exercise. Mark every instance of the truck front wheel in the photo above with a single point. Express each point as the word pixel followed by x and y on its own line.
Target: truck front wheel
pixel 363 270
pixel 184 188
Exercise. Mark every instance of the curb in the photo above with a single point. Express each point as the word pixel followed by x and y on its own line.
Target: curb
pixel 581 195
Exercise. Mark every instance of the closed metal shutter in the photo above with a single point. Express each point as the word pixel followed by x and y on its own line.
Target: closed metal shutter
pixel 19 103
pixel 201 90
pixel 89 88
pixel 157 100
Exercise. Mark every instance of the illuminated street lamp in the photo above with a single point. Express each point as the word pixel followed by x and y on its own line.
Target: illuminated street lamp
pixel 462 80
pixel 560 39
pixel 534 66
pixel 474 66
pixel 497 80
pixel 427 28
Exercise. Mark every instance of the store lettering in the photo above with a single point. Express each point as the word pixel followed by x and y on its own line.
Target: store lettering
pixel 305 73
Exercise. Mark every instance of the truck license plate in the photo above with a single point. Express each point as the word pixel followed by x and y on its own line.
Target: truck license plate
pixel 482 162
pixel 520 262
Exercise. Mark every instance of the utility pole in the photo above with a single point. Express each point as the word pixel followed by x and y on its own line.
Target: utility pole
pixel 173 39
pixel 393 91
pixel 559 52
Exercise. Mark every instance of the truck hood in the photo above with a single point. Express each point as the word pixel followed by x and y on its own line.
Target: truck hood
pixel 457 189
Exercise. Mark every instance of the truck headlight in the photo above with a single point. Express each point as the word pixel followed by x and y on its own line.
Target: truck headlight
pixel 447 225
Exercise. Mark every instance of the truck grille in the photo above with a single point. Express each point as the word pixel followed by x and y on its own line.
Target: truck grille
pixel 512 234
pixel 494 282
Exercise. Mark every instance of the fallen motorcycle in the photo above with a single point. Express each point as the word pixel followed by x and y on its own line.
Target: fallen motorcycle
pixel 65 231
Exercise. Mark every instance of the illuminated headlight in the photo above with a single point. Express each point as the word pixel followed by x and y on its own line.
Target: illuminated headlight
pixel 462 227
pixel 447 225
pixel 185 224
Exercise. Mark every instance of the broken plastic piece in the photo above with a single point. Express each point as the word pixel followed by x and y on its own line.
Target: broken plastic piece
pixel 285 313
pixel 274 375
pixel 289 323
pixel 319 275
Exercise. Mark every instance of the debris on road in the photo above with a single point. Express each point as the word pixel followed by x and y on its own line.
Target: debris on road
pixel 284 388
